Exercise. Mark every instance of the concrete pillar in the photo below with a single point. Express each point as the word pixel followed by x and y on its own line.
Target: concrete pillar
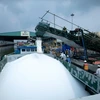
pixel 39 45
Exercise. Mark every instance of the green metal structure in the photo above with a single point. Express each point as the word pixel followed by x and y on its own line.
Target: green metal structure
pixel 17 33
pixel 91 40
pixel 10 36
pixel 91 81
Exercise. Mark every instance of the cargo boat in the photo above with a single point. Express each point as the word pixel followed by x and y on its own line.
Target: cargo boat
pixel 91 81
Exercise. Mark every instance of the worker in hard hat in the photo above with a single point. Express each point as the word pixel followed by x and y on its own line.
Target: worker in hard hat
pixel 85 65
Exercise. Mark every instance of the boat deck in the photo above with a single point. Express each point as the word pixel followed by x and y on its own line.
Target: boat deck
pixel 79 63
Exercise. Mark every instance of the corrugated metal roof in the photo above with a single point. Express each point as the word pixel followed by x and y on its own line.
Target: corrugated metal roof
pixel 17 33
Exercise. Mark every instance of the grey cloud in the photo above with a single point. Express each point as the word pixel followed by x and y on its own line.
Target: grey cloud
pixel 7 20
pixel 12 5
pixel 23 14
pixel 85 5
pixel 82 6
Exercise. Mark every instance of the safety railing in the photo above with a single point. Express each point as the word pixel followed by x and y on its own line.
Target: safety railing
pixel 3 62
pixel 9 58
pixel 90 80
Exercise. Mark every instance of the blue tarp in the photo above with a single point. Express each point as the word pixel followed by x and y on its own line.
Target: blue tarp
pixel 65 47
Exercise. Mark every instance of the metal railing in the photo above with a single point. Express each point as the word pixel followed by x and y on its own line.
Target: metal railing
pixel 2 63
pixel 90 80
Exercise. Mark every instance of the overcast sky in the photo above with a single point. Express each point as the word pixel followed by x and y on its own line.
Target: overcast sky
pixel 16 15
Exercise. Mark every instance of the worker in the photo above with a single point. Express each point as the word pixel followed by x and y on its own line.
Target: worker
pixel 63 56
pixel 86 67
pixel 71 52
pixel 98 71
pixel 68 60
